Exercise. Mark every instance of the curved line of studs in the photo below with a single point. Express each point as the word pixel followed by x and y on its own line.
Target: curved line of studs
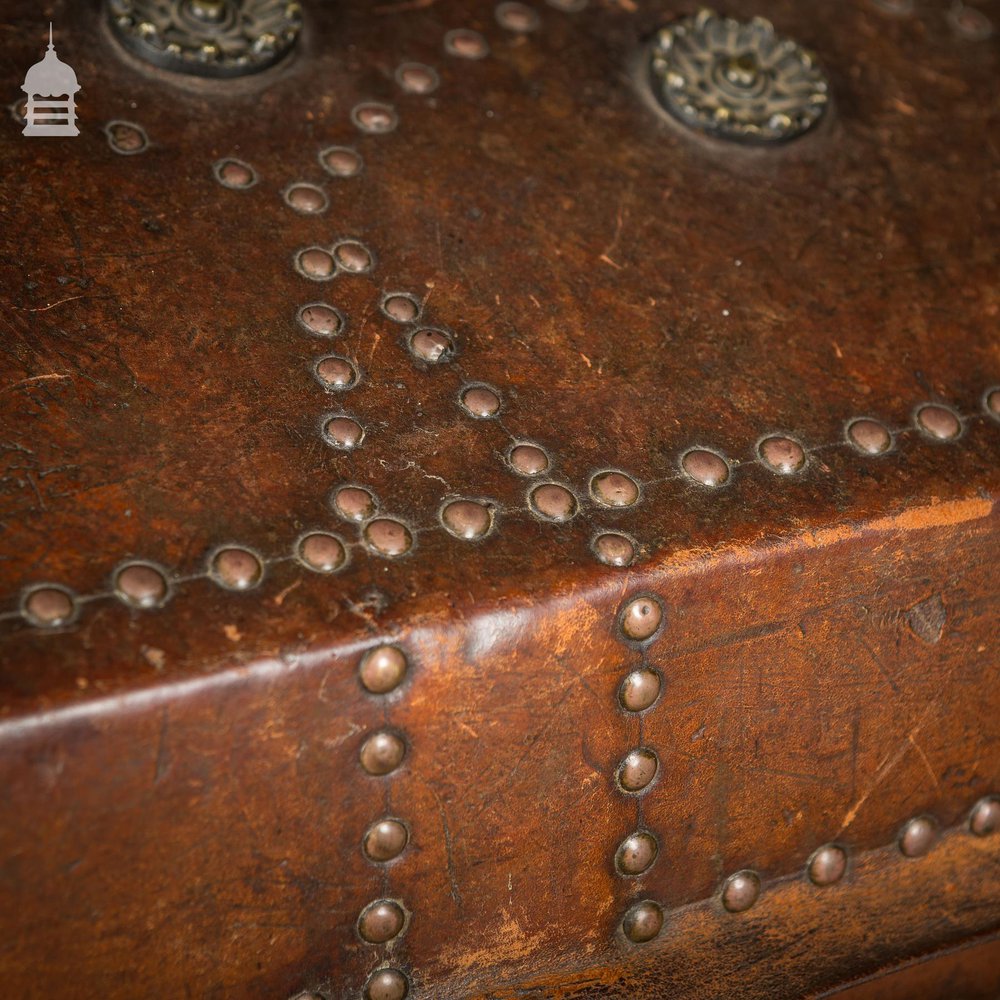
pixel 146 585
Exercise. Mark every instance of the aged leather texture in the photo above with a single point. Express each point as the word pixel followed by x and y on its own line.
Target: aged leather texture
pixel 187 787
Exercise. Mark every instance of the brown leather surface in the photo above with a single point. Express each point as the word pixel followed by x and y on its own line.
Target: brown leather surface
pixel 183 794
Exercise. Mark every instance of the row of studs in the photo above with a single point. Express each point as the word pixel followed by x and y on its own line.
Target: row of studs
pixel 644 921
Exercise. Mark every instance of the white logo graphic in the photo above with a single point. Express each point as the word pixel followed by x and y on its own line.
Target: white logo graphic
pixel 53 79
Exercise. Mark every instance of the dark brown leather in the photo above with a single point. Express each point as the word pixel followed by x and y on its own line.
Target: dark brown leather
pixel 184 803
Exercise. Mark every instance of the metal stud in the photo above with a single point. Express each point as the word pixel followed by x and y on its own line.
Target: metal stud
pixel 400 307
pixel 336 372
pixel 782 454
pixel 432 345
pixel 643 922
pixel 869 436
pixel 466 44
pixel 918 837
pixel 236 568
pixel 636 853
pixel 49 605
pixel 353 257
pixel 416 78
pixel 985 816
pixel 991 403
pixel 387 984
pixel 128 138
pixel 341 161
pixel 354 503
pixel 641 618
pixel 553 502
pixel 322 552
pixel 515 16
pixel 343 433
pixel 375 118
pixel 141 585
pixel 639 690
pixel 385 840
pixel 614 489
pixel 322 320
pixel 741 891
pixel 705 467
pixel 614 549
pixel 480 401
pixel 637 770
pixel 388 537
pixel 528 460
pixel 306 199
pixel 937 422
pixel 827 865
pixel 467 519
pixel 315 263
pixel 381 921
pixel 234 174
pixel 382 753
pixel 382 669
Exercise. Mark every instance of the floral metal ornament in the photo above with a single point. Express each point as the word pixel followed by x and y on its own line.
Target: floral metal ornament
pixel 219 38
pixel 736 79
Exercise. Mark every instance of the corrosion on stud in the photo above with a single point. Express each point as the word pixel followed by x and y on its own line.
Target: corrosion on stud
pixel 641 618
pixel 827 865
pixel 639 690
pixel 741 891
pixel 643 922
pixel 940 423
pixel 320 319
pixel 49 605
pixel 385 840
pixel 637 770
pixel 782 454
pixel 435 346
pixel 322 552
pixel 705 467
pixel 614 549
pixel 127 138
pixel 985 816
pixel 614 489
pixel 918 837
pixel 636 853
pixel 141 585
pixel 382 669
pixel 381 921
pixel 868 436
pixel 336 372
pixel 343 433
pixel 467 519
pixel 388 537
pixel 387 984
pixel 236 568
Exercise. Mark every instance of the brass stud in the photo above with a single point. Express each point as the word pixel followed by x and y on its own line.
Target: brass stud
pixel 341 161
pixel 320 319
pixel 400 307
pixel 381 921
pixel 985 816
pixel 315 263
pixel 515 16
pixel 387 984
pixel 466 44
pixel 382 753
pixel 353 257
pixel 991 403
pixel 939 423
pixel 969 23
pixel 306 199
pixel 528 460
pixel 343 433
pixel 741 891
pixel 336 372
pixel 869 436
pixel 433 346
pixel 705 467
pixel 236 568
pixel 234 174
pixel 639 690
pixel 385 840
pixel 128 139
pixel 467 519
pixel 614 549
pixel 553 502
pixel 322 552
pixel 141 585
pixel 374 118
pixel 49 605
pixel 388 537
pixel 382 669
pixel 416 78
pixel 614 489
pixel 782 454
pixel 637 770
pixel 641 618
pixel 480 401
pixel 827 865
pixel 643 922
pixel 636 853
pixel 354 503
pixel 918 837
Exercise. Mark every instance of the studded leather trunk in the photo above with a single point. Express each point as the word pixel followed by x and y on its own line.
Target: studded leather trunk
pixel 501 501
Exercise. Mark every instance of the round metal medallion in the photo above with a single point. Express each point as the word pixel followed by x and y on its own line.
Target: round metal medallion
pixel 736 80
pixel 217 38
